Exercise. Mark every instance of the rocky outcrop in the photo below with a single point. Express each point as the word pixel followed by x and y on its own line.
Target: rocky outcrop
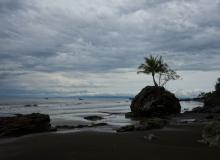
pixel 212 100
pixel 211 134
pixel 212 103
pixel 81 126
pixel 24 124
pixel 147 124
pixel 155 101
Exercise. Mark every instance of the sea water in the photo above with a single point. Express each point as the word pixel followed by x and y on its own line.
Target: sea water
pixel 71 111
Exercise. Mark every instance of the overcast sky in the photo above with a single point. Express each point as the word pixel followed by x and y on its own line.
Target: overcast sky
pixel 92 47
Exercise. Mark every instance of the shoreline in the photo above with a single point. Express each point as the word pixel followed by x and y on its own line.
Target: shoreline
pixel 172 142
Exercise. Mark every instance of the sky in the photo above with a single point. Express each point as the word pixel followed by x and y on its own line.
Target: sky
pixel 93 47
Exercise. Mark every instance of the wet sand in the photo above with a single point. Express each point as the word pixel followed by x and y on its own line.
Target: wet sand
pixel 174 143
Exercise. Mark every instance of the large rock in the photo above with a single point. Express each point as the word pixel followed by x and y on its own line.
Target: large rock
pixel 211 134
pixel 24 124
pixel 155 101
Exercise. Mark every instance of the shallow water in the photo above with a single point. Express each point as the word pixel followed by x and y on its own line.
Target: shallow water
pixel 71 111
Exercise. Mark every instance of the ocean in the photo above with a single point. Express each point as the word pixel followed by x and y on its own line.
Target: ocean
pixel 71 111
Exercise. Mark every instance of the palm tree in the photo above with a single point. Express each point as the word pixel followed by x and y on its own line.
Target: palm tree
pixel 153 65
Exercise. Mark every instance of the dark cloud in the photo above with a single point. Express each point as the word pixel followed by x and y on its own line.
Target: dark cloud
pixel 11 6
pixel 103 36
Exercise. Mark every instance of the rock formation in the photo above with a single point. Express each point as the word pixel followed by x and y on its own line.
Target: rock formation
pixel 155 101
pixel 211 134
pixel 24 124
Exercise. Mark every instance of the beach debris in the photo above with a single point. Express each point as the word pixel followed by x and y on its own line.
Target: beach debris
pixel 150 137
pixel 93 118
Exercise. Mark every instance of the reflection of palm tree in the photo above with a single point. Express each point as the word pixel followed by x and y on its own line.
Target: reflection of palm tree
pixel 153 65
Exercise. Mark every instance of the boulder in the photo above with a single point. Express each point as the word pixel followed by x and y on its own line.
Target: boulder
pixel 155 101
pixel 24 124
pixel 211 134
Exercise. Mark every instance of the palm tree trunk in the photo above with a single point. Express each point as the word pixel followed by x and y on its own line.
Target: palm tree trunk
pixel 155 83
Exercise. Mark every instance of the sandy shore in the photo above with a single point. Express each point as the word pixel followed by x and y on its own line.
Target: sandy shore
pixel 174 142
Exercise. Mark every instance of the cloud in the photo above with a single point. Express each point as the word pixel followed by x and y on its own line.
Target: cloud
pixel 59 38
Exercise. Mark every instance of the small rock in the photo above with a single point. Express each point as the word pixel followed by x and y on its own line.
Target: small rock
pixel 93 118
pixel 202 141
pixel 197 110
pixel 27 105
pixel 209 117
pixel 129 115
pixel 126 128
pixel 150 137
pixel 98 124
pixel 147 124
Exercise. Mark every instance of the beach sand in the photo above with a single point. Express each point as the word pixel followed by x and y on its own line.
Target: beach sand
pixel 173 143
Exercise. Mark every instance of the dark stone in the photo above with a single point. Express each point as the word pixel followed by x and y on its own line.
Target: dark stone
pixel 147 124
pixel 209 117
pixel 197 110
pixel 93 118
pixel 211 134
pixel 81 126
pixel 155 101
pixel 65 127
pixel 153 123
pixel 27 105
pixel 31 105
pixel 129 115
pixel 126 128
pixel 98 125
pixel 24 124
